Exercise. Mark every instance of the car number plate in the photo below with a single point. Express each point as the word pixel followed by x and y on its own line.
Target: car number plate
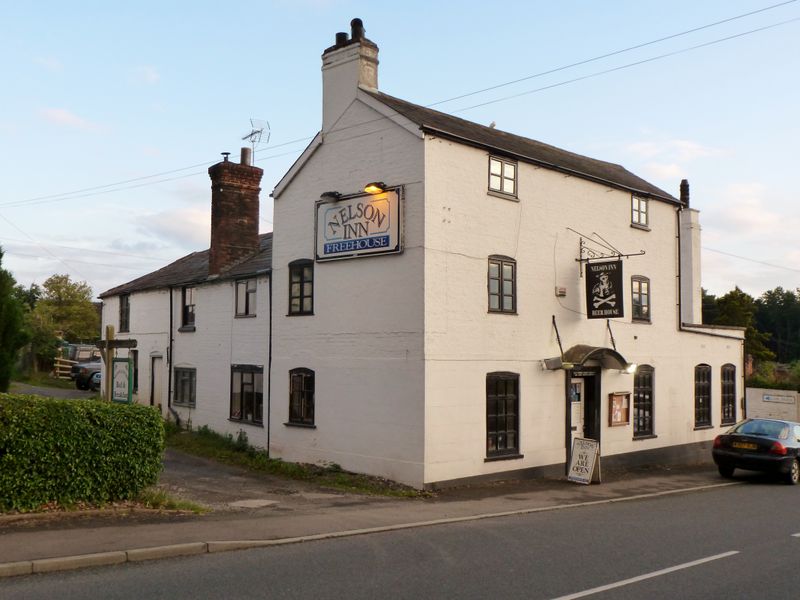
pixel 745 445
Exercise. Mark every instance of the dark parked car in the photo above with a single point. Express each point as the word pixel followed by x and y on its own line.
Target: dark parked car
pixel 768 445
pixel 83 378
pixel 96 382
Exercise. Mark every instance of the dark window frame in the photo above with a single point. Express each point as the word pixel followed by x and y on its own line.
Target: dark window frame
pixel 134 356
pixel 502 178
pixel 641 305
pixel 640 212
pixel 244 290
pixel 253 376
pixel 702 396
pixel 304 301
pixel 124 313
pixel 501 297
pixel 302 397
pixel 644 403
pixel 178 399
pixel 188 314
pixel 502 439
pixel 728 394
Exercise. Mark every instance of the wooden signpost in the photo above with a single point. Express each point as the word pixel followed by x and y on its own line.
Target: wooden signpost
pixel 108 350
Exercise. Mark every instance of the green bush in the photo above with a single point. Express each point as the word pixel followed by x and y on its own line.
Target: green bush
pixel 70 451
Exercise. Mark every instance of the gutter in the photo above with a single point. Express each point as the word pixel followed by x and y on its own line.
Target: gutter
pixel 170 352
pixel 269 367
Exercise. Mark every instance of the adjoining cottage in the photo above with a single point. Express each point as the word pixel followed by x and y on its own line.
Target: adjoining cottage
pixel 483 301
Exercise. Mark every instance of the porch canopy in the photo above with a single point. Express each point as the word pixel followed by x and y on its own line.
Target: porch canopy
pixel 582 355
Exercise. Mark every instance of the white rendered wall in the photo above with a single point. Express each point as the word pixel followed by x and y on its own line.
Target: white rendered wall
pixel 463 342
pixel 220 340
pixel 364 341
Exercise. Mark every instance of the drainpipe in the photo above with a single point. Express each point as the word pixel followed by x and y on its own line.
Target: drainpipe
pixel 269 367
pixel 170 361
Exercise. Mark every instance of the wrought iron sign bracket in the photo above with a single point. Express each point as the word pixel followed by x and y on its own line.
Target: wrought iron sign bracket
pixel 590 249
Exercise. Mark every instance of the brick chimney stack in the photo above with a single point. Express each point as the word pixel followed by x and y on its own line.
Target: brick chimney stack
pixel 234 211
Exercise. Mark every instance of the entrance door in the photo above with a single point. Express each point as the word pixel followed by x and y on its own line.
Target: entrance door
pixel 155 380
pixel 591 407
pixel 576 408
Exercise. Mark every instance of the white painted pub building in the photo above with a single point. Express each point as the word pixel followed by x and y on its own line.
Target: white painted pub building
pixel 485 301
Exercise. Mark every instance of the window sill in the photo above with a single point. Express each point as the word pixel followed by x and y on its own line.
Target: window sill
pixel 651 436
pixel 244 316
pixel 244 422
pixel 186 328
pixel 300 314
pixel 124 330
pixel 183 405
pixel 502 195
pixel 501 312
pixel 503 457
pixel 300 425
pixel 642 227
pixel 702 427
pixel 727 423
pixel 641 321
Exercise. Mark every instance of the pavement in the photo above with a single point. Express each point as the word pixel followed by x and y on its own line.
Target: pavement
pixel 250 510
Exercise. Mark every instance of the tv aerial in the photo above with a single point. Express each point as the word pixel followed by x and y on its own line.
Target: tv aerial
pixel 258 129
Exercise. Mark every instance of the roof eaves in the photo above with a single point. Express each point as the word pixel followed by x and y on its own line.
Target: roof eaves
pixel 666 197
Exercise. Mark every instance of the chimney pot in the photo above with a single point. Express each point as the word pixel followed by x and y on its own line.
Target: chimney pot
pixel 685 192
pixel 356 29
pixel 247 156
pixel 341 39
pixel 225 156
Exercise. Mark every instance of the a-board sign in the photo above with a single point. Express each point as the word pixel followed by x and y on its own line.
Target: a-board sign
pixel 584 462
pixel 121 380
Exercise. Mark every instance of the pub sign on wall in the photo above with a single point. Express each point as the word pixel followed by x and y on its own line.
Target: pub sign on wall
pixel 361 225
pixel 604 296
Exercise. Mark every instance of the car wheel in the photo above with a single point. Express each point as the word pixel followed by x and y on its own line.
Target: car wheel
pixel 793 476
pixel 726 471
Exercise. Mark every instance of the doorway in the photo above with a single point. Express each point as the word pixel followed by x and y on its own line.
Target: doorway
pixel 583 402
pixel 155 380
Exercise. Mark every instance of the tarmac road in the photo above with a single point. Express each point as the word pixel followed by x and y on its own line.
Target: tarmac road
pixel 52 392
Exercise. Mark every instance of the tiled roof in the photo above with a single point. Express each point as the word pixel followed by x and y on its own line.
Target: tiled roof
pixel 194 269
pixel 523 148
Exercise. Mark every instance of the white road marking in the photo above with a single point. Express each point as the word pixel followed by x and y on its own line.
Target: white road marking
pixel 611 586
pixel 796 535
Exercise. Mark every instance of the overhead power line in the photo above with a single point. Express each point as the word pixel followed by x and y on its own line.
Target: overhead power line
pixel 752 260
pixel 101 189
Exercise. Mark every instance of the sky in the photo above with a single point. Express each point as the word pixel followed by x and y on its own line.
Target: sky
pixel 112 112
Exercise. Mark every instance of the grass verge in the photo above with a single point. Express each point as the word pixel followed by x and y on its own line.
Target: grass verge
pixel 44 380
pixel 237 451
pixel 159 499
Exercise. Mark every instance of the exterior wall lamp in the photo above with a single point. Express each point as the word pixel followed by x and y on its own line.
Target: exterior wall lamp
pixel 375 187
pixel 330 195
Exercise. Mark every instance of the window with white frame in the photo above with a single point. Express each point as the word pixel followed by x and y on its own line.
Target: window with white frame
pixel 247 393
pixel 185 386
pixel 502 176
pixel 187 307
pixel 246 298
pixel 502 284
pixel 639 212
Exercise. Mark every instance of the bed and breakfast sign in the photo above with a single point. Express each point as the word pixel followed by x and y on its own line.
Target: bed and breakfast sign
pixel 357 226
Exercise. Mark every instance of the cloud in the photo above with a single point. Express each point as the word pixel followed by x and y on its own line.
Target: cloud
pixel 146 74
pixel 187 228
pixel 50 63
pixel 673 150
pixel 663 171
pixel 62 116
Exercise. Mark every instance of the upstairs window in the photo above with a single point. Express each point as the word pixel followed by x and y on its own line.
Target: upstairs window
pixel 728 390
pixel 125 313
pixel 246 298
pixel 301 397
pixel 301 287
pixel 639 212
pixel 702 396
pixel 640 298
pixel 185 386
pixel 502 176
pixel 247 393
pixel 502 284
pixel 187 310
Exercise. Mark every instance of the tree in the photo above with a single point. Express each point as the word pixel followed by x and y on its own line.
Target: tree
pixel 778 313
pixel 12 328
pixel 710 308
pixel 738 308
pixel 66 306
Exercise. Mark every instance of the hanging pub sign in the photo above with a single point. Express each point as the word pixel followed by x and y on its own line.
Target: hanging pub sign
pixel 604 299
pixel 362 225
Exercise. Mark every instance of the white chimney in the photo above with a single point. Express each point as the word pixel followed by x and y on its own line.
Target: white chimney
pixel 691 296
pixel 348 64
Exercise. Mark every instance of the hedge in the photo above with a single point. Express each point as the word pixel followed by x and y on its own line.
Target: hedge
pixel 69 451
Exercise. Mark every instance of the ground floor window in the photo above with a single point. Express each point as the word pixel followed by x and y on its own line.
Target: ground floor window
pixel 702 396
pixel 301 397
pixel 247 393
pixel 185 386
pixel 643 417
pixel 728 391
pixel 502 414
